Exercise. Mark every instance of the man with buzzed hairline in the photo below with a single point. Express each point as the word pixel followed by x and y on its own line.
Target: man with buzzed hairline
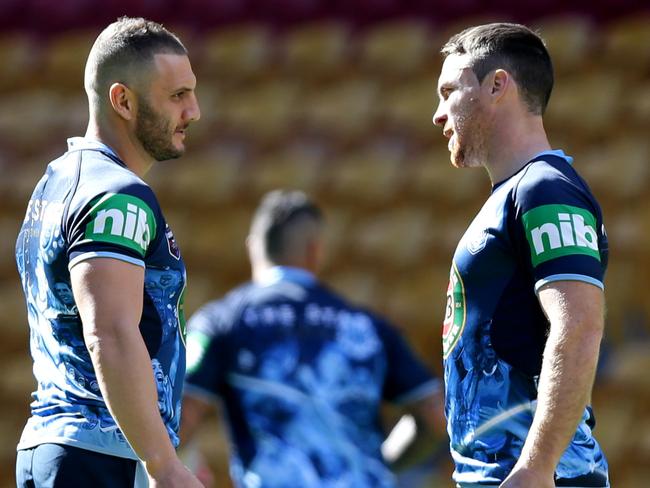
pixel 107 414
pixel 302 373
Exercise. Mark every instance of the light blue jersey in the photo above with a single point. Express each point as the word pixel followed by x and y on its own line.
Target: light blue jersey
pixel 87 205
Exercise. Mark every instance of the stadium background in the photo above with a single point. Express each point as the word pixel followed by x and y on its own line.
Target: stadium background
pixel 336 98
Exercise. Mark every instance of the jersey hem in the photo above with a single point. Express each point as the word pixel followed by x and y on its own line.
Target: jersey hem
pixel 74 443
pixel 100 254
pixel 478 485
pixel 568 277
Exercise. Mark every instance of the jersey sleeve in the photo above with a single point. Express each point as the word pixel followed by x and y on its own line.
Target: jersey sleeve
pixel 558 227
pixel 205 373
pixel 121 224
pixel 407 379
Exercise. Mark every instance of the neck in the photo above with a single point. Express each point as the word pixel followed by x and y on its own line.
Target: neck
pixel 514 145
pixel 260 268
pixel 123 142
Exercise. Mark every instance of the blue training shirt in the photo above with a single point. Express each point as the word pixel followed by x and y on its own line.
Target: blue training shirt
pixel 89 204
pixel 538 226
pixel 302 374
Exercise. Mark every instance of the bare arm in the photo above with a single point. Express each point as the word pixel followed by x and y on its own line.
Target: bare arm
pixel 109 293
pixel 417 434
pixel 576 314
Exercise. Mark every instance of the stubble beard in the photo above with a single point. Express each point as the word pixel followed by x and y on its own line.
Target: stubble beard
pixel 470 149
pixel 155 133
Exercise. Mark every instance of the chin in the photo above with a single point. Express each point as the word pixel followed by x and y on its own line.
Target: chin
pixel 457 159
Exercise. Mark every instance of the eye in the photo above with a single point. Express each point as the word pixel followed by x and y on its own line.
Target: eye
pixel 445 92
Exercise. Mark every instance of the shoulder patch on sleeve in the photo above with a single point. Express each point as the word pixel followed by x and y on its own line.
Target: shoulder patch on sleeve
pixel 559 230
pixel 197 344
pixel 121 219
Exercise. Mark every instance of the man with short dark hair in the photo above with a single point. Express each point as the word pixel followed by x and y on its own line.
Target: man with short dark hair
pixel 110 365
pixel 301 372
pixel 525 301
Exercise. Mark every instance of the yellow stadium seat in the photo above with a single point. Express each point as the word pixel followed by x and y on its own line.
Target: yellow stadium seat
pixel 20 59
pixel 586 103
pixel 344 109
pixel 370 174
pixel 409 106
pixel 396 236
pixel 569 39
pixel 618 168
pixel 627 43
pixel 240 51
pixel 398 49
pixel 65 58
pixel 316 50
pixel 263 111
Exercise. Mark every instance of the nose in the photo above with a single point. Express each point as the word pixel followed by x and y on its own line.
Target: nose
pixel 439 117
pixel 193 111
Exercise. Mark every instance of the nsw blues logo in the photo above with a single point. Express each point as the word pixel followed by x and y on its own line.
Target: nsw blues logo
pixel 477 242
pixel 455 315
pixel 171 243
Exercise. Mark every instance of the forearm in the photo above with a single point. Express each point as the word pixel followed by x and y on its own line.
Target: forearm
pixel 125 377
pixel 410 443
pixel 565 384
pixel 418 434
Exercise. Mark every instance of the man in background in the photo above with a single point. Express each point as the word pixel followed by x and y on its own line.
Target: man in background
pixel 94 226
pixel 525 303
pixel 301 372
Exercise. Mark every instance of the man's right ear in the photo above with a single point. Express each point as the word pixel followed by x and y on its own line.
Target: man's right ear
pixel 122 100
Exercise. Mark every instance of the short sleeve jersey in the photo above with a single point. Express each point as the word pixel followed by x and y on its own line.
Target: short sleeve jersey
pixel 301 374
pixel 540 225
pixel 89 205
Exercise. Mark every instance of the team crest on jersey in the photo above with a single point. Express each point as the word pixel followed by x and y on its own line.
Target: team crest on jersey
pixel 455 315
pixel 477 242
pixel 171 243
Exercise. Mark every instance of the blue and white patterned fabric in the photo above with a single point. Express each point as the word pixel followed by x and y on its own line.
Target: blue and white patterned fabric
pixel 538 226
pixel 89 205
pixel 302 374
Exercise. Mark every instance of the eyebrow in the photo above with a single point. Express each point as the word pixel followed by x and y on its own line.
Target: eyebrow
pixel 182 89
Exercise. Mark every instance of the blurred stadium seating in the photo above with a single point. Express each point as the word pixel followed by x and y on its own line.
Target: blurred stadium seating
pixel 338 101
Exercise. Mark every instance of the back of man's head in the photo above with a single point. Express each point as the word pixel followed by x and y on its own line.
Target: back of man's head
pixel 514 48
pixel 286 225
pixel 123 53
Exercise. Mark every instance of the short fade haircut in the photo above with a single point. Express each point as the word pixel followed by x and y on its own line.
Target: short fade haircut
pixel 513 47
pixel 279 213
pixel 124 47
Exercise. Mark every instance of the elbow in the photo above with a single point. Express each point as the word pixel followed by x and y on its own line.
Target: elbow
pixel 100 337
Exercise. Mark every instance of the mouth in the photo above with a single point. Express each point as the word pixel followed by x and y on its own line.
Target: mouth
pixel 451 135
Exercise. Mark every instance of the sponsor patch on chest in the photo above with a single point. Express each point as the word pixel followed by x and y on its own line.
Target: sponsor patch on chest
pixel 455 313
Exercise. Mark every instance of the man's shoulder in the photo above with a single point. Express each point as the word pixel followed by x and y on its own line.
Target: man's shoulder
pixel 221 315
pixel 101 171
pixel 550 180
pixel 103 183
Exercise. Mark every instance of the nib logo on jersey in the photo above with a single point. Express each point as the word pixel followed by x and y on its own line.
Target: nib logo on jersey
pixel 560 230
pixel 122 219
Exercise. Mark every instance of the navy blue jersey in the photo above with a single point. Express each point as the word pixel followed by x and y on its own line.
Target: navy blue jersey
pixel 88 204
pixel 540 225
pixel 302 374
